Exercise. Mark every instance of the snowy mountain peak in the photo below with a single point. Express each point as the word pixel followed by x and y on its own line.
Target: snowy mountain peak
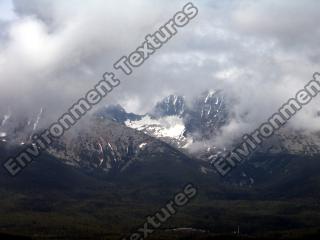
pixel 169 106
pixel 170 129
pixel 174 122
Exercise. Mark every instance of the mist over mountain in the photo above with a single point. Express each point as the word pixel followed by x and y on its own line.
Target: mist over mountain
pixel 219 77
pixel 51 53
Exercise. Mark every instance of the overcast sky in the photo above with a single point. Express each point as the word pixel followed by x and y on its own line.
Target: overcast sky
pixel 259 52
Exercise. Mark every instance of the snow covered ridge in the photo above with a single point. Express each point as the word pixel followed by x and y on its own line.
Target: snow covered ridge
pixel 191 127
pixel 169 127
pixel 173 120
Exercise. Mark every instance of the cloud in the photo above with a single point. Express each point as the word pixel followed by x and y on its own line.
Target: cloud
pixel 259 52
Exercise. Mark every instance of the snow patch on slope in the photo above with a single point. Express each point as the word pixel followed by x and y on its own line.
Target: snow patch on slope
pixel 35 125
pixel 142 145
pixel 169 127
pixel 5 119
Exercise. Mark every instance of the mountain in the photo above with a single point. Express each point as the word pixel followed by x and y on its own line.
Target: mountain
pixel 207 114
pixel 109 147
pixel 174 121
pixel 115 168
pixel 172 105
pixel 182 122
pixel 113 140
pixel 202 117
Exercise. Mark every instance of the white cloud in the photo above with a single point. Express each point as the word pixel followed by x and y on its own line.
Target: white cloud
pixel 259 52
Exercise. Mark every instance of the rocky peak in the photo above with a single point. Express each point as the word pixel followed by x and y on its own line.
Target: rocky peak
pixel 169 106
